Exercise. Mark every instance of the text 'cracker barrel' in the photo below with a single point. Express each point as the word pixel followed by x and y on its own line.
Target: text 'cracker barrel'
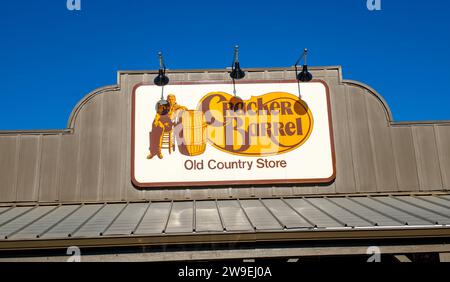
pixel 191 139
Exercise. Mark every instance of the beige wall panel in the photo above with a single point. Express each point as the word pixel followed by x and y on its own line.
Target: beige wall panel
pixel 111 162
pixel 363 162
pixel 345 178
pixel 381 145
pixel 443 141
pixel 48 186
pixel 90 149
pixel 8 167
pixel 427 158
pixel 405 158
pixel 28 168
pixel 67 179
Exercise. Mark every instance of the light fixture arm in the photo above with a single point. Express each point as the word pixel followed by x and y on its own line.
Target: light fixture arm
pixel 161 62
pixel 233 64
pixel 236 56
pixel 236 71
pixel 304 75
pixel 163 68
pixel 303 55
pixel 161 79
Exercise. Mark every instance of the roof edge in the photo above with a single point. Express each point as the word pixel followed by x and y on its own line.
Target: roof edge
pixel 314 68
pixel 85 100
pixel 377 95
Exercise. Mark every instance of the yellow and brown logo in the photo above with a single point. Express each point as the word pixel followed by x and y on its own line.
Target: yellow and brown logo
pixel 270 124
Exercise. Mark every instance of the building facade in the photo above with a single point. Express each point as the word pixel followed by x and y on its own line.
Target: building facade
pixel 60 188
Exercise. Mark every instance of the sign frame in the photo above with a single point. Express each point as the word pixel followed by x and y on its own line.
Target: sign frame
pixel 143 186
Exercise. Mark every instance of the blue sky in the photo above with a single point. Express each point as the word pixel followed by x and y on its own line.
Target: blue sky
pixel 51 57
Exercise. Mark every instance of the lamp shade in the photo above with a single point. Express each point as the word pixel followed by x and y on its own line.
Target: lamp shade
pixel 304 75
pixel 161 79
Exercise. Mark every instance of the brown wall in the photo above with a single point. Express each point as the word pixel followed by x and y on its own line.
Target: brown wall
pixel 90 161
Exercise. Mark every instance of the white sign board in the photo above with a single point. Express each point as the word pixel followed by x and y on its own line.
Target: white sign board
pixel 204 135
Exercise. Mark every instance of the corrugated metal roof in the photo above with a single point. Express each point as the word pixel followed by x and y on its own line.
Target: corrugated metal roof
pixel 155 219
pixel 207 217
pixel 233 216
pixel 212 216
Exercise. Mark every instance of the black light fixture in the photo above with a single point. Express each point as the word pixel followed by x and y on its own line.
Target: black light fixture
pixel 236 74
pixel 236 71
pixel 304 75
pixel 161 80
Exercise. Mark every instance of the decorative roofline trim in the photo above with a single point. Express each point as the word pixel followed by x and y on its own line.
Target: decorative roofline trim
pixel 74 114
pixel 374 93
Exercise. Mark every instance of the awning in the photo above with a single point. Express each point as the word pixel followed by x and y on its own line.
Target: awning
pixel 217 221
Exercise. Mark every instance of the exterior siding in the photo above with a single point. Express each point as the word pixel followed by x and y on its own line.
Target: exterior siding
pixel 8 167
pixel 345 178
pixel 443 140
pixel 363 157
pixel 28 168
pixel 92 162
pixel 68 175
pixel 382 149
pixel 405 158
pixel 49 168
pixel 427 158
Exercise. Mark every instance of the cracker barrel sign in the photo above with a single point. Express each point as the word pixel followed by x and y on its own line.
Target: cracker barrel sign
pixel 265 125
pixel 206 136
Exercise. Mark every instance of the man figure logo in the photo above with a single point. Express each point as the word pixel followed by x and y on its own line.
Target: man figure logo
pixel 374 5
pixel 74 5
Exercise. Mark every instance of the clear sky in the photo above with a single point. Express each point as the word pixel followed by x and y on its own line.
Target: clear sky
pixel 51 57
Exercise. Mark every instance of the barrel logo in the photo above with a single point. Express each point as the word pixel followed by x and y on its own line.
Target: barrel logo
pixel 265 125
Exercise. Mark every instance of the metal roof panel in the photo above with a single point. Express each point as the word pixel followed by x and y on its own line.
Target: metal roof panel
pixel 207 217
pixel 437 200
pixel 73 222
pixel 128 219
pixel 373 216
pixel 39 227
pixel 154 220
pixel 181 218
pixel 316 216
pixel 378 204
pixel 233 216
pixel 11 214
pixel 24 220
pixel 288 216
pixel 417 210
pixel 260 216
pixel 340 214
pixel 100 221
